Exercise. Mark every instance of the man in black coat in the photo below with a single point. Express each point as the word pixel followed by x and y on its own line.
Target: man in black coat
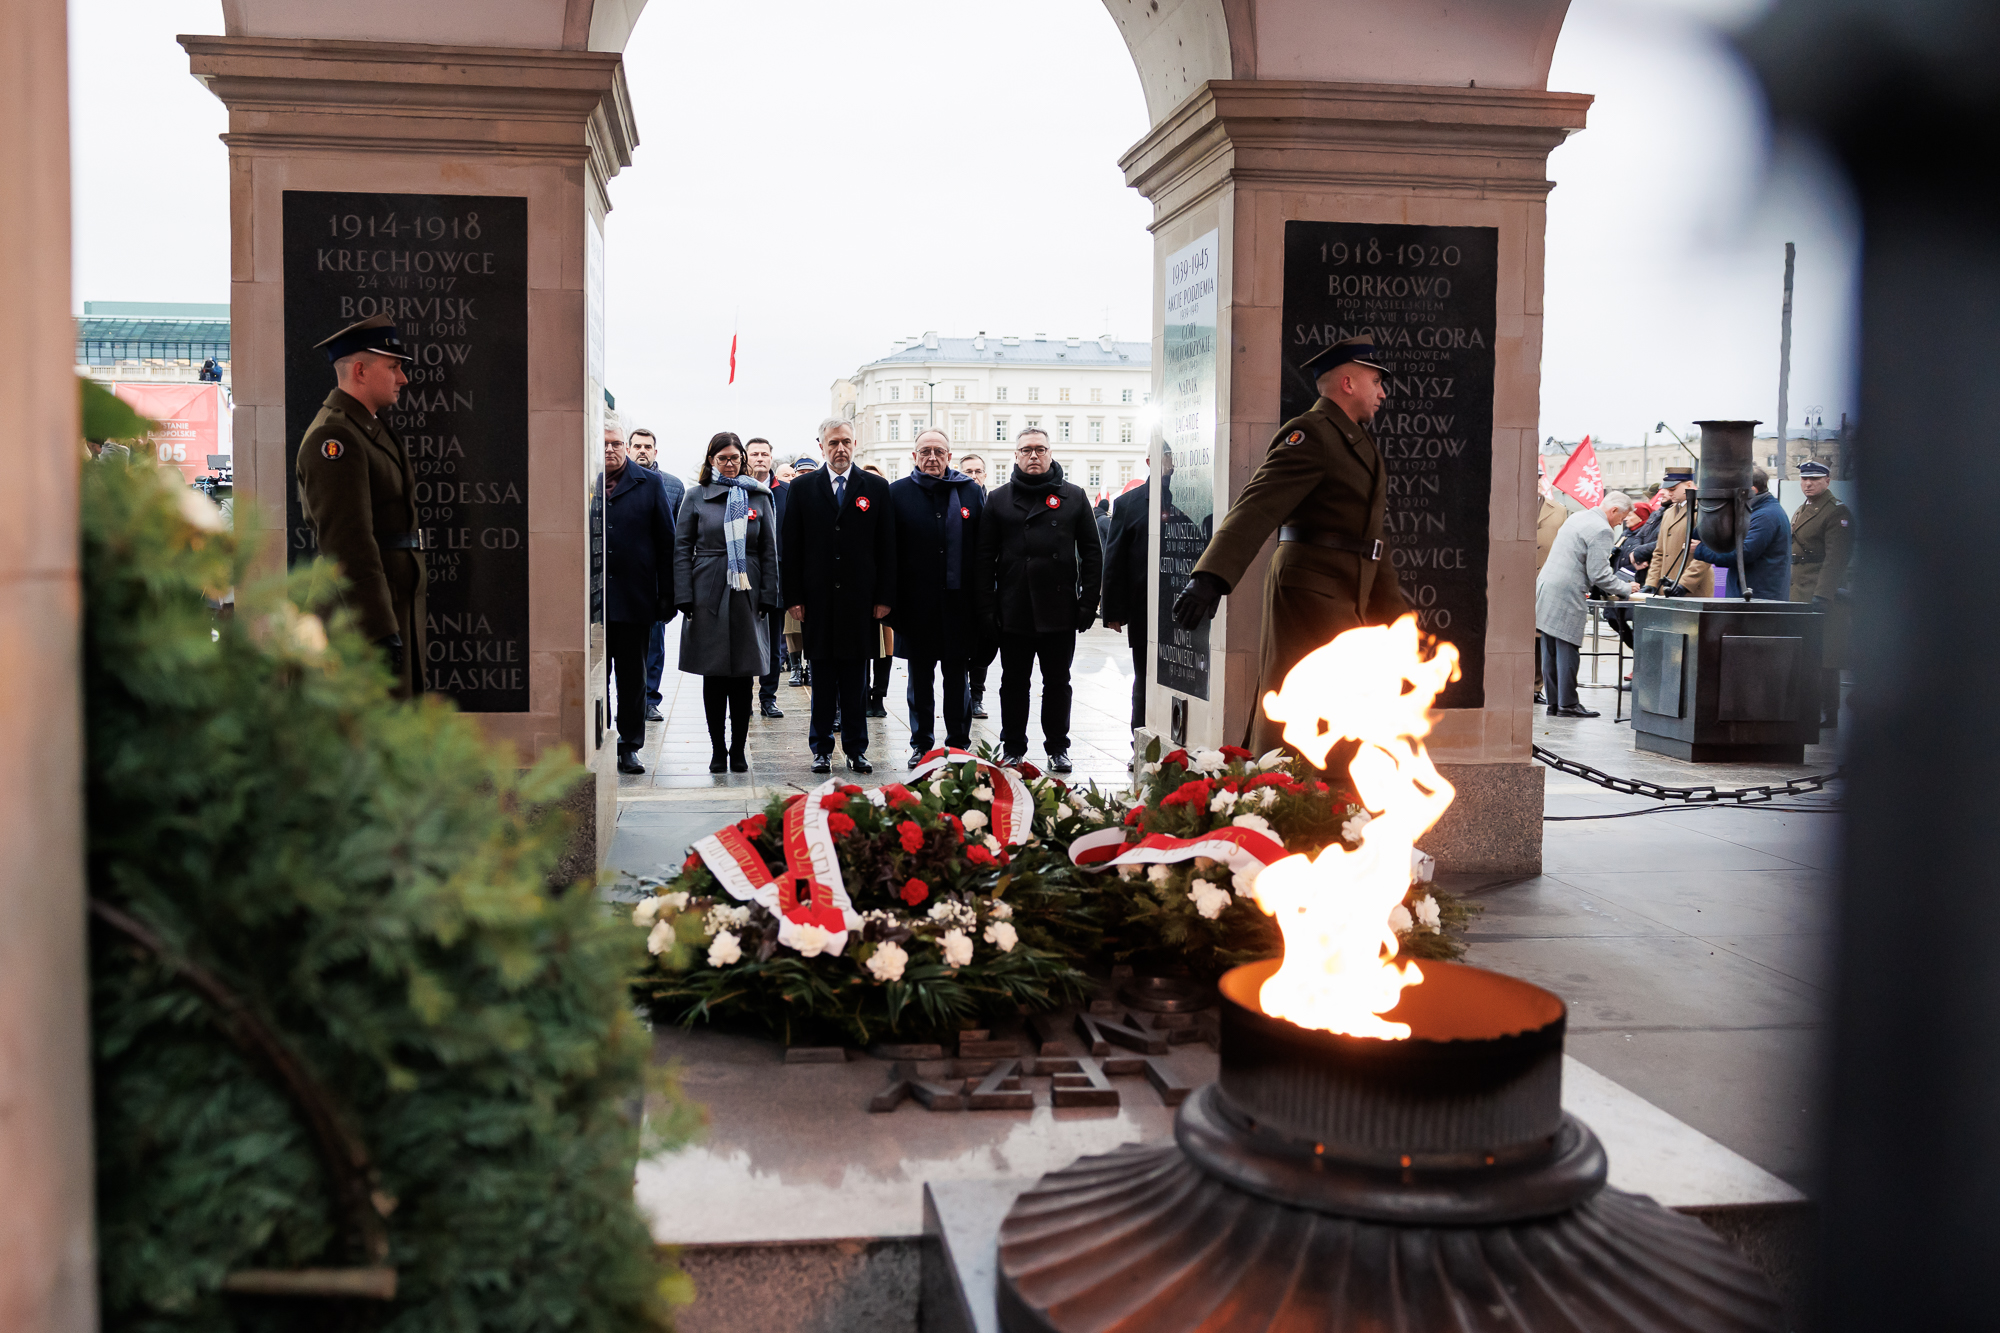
pixel 837 568
pixel 757 462
pixel 640 506
pixel 937 546
pixel 1127 556
pixel 1039 572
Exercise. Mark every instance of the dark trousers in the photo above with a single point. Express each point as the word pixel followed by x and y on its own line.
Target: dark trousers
pixel 842 683
pixel 767 684
pixel 1559 663
pixel 1138 685
pixel 880 690
pixel 656 661
pixel 1018 655
pixel 957 702
pixel 625 646
pixel 982 657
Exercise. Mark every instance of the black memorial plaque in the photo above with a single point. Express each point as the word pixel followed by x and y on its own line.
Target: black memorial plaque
pixel 1426 296
pixel 452 271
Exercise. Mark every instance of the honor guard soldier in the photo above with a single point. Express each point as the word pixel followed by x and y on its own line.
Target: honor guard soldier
pixel 1822 540
pixel 1673 570
pixel 1323 486
pixel 359 493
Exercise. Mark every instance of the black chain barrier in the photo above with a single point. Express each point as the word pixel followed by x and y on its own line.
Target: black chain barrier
pixel 1689 795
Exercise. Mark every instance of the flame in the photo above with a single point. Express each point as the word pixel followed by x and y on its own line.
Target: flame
pixel 1372 685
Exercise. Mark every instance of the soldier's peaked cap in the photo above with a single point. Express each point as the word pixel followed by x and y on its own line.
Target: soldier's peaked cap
pixel 1812 469
pixel 1360 351
pixel 370 335
pixel 1676 474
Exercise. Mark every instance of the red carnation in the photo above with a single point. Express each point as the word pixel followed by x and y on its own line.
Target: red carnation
pixel 957 825
pixel 850 790
pixel 752 827
pixel 978 855
pixel 1135 815
pixel 898 795
pixel 833 800
pixel 1195 792
pixel 840 825
pixel 1028 770
pixel 694 859
pixel 1237 752
pixel 1175 757
pixel 913 836
pixel 915 892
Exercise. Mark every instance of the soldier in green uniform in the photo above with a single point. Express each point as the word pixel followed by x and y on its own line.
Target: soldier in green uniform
pixel 359 493
pixel 1323 486
pixel 1822 538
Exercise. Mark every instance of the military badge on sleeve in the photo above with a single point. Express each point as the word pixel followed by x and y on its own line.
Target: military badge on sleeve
pixel 331 448
pixel 1296 437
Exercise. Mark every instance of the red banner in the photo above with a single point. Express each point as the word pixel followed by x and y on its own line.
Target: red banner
pixel 192 421
pixel 1581 477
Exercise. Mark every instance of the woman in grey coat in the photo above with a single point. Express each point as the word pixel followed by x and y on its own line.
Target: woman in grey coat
pixel 725 581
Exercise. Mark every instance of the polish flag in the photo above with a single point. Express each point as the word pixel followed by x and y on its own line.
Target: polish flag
pixel 1581 477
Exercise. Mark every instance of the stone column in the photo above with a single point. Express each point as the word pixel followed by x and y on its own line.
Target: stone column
pixel 490 256
pixel 48 1278
pixel 1243 161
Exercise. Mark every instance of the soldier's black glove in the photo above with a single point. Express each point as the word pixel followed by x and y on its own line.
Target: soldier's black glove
pixel 392 649
pixel 1198 600
pixel 1085 619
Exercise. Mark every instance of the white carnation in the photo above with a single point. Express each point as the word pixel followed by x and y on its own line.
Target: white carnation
pixel 1063 811
pixel 1351 830
pixel 1245 881
pixel 646 909
pixel 1399 920
pixel 1207 761
pixel 1427 914
pixel 1209 899
pixel 957 948
pixel 1267 797
pixel 982 793
pixel 1271 759
pixel 1159 872
pixel 724 950
pixel 811 940
pixel 886 963
pixel 723 917
pixel 659 937
pixel 1001 936
pixel 1222 803
pixel 1128 872
pixel 1002 910
pixel 972 819
pixel 950 912
pixel 1258 823
pixel 677 900
pixel 992 844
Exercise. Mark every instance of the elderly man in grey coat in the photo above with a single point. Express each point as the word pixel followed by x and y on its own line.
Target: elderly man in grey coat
pixel 1579 560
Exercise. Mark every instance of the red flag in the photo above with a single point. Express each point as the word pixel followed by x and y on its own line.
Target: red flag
pixel 1581 477
pixel 732 358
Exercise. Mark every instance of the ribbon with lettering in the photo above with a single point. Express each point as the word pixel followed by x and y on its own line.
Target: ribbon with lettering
pixel 1013 804
pixel 1241 849
pixel 810 856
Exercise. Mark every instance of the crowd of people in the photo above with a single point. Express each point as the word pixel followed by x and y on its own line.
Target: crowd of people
pixel 832 570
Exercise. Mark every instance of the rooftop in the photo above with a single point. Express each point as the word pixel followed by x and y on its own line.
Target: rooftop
pixel 1010 349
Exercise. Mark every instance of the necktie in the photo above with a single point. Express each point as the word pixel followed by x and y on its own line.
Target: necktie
pixel 839 490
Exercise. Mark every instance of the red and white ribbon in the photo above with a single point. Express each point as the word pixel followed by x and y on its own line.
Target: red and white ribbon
pixel 810 857
pixel 1013 804
pixel 1241 849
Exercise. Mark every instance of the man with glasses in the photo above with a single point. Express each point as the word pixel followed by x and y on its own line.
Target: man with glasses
pixel 1036 583
pixel 640 509
pixel 938 509
pixel 644 449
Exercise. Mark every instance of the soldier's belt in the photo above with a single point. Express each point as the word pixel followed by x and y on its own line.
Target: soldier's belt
pixel 400 541
pixel 1333 541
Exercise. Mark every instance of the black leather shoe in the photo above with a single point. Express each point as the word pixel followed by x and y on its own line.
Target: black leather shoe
pixel 875 709
pixel 859 763
pixel 1059 762
pixel 916 758
pixel 798 679
pixel 628 762
pixel 739 762
pixel 1578 711
pixel 718 762
pixel 979 705
pixel 772 710
pixel 653 713
pixel 822 763
pixel 1010 760
pixel 1540 698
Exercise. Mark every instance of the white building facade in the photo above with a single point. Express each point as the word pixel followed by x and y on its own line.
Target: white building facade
pixel 1092 395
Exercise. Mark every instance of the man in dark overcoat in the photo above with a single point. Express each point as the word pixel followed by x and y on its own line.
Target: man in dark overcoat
pixel 938 509
pixel 1039 574
pixel 1324 487
pixel 640 508
pixel 1822 540
pixel 359 494
pixel 837 566
pixel 1128 555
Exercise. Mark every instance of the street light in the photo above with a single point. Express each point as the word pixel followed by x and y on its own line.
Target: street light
pixel 1678 440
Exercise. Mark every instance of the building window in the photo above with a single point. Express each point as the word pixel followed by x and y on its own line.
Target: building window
pixel 1125 430
pixel 1096 431
pixel 1000 394
pixel 1034 395
pixel 958 430
pixel 1096 474
pixel 895 428
pixel 1124 470
pixel 1062 430
pixel 1034 423
pixel 1000 428
pixel 1125 396
pixel 958 392
pixel 1062 395
pixel 1097 395
pixel 895 393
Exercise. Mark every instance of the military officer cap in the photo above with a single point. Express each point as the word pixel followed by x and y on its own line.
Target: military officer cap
pixel 1359 350
pixel 1812 469
pixel 370 335
pixel 1676 474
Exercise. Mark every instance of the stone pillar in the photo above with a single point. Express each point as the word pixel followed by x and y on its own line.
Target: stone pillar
pixel 462 190
pixel 48 1278
pixel 1357 176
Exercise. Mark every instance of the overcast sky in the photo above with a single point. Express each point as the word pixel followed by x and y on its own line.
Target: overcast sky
pixel 822 179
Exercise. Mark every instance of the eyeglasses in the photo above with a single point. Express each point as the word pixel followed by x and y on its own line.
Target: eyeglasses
pixel 1032 449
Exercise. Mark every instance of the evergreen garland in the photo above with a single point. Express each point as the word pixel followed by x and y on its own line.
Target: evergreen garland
pixel 369 878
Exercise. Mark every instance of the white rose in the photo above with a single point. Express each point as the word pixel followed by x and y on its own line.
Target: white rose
pixel 1399 920
pixel 1002 936
pixel 1208 761
pixel 1258 823
pixel 1422 867
pixel 1128 872
pixel 982 793
pixel 957 948
pixel 1222 802
pixel 1351 830
pixel 992 844
pixel 1245 881
pixel 811 940
pixel 1063 811
pixel 1002 910
pixel 1158 872
pixel 645 910
pixel 1427 913
pixel 725 950
pixel 972 819
pixel 678 900
pixel 1271 759
pixel 886 963
pixel 1209 899
pixel 659 937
